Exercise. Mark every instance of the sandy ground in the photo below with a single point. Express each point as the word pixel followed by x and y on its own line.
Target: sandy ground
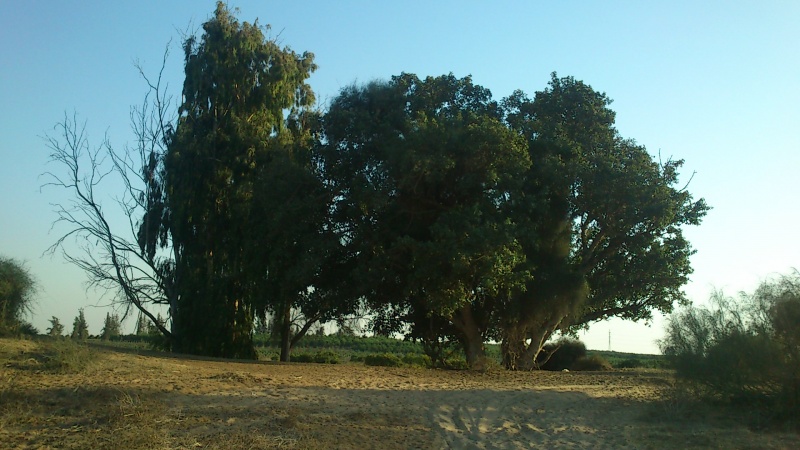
pixel 151 400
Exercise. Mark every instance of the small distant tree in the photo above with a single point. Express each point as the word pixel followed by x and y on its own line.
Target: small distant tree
pixel 80 329
pixel 144 327
pixel 160 323
pixel 56 329
pixel 17 288
pixel 111 327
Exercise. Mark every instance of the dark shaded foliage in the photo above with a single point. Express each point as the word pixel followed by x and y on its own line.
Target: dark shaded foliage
pixel 743 350
pixel 561 354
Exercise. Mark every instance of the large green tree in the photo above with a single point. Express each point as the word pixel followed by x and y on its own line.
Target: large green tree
pixel 238 89
pixel 599 219
pixel 297 260
pixel 422 170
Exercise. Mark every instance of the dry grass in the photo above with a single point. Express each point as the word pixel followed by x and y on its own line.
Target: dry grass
pixel 59 395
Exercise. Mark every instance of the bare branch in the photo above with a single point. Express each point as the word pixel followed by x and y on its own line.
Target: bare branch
pixel 114 261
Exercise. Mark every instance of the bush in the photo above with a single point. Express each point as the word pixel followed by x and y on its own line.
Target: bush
pixel 383 359
pixel 57 356
pixel 561 354
pixel 629 363
pixel 417 360
pixel 302 358
pixel 742 350
pixel 17 289
pixel 324 357
pixel 456 363
pixel 590 363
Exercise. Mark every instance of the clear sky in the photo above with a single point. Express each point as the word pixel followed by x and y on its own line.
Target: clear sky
pixel 716 83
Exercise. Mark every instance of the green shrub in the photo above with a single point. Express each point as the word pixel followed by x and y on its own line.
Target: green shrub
pixel 629 363
pixel 590 363
pixel 417 360
pixel 326 357
pixel 302 358
pixel 383 359
pixel 323 357
pixel 456 363
pixel 561 354
pixel 743 350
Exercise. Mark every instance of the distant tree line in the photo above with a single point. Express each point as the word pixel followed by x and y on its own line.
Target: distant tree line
pixel 444 214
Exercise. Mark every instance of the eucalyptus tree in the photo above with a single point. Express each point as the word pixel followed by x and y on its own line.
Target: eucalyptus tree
pixel 239 88
pixel 422 171
pixel 600 221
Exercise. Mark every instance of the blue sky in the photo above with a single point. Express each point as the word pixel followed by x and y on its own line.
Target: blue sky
pixel 715 83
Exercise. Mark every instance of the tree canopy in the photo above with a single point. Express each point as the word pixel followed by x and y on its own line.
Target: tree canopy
pixel 599 219
pixel 238 88
pixel 422 170
pixel 449 216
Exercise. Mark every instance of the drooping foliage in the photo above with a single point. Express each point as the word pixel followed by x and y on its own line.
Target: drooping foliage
pixel 238 88
pixel 17 289
pixel 743 349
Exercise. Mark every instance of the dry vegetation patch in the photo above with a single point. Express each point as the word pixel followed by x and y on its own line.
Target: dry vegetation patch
pixel 159 401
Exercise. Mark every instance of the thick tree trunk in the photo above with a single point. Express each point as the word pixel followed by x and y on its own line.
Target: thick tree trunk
pixel 522 344
pixel 286 333
pixel 471 337
pixel 512 347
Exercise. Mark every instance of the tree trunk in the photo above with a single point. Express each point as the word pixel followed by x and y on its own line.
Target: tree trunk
pixel 512 347
pixel 471 338
pixel 518 353
pixel 286 333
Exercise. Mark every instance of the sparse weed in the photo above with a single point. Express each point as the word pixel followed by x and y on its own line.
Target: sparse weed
pixel 67 356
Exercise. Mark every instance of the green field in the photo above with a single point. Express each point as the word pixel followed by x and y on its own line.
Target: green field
pixel 343 348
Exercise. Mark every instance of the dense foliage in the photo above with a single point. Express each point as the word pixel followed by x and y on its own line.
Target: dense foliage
pixel 232 137
pixel 744 349
pixel 424 204
pixel 17 288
